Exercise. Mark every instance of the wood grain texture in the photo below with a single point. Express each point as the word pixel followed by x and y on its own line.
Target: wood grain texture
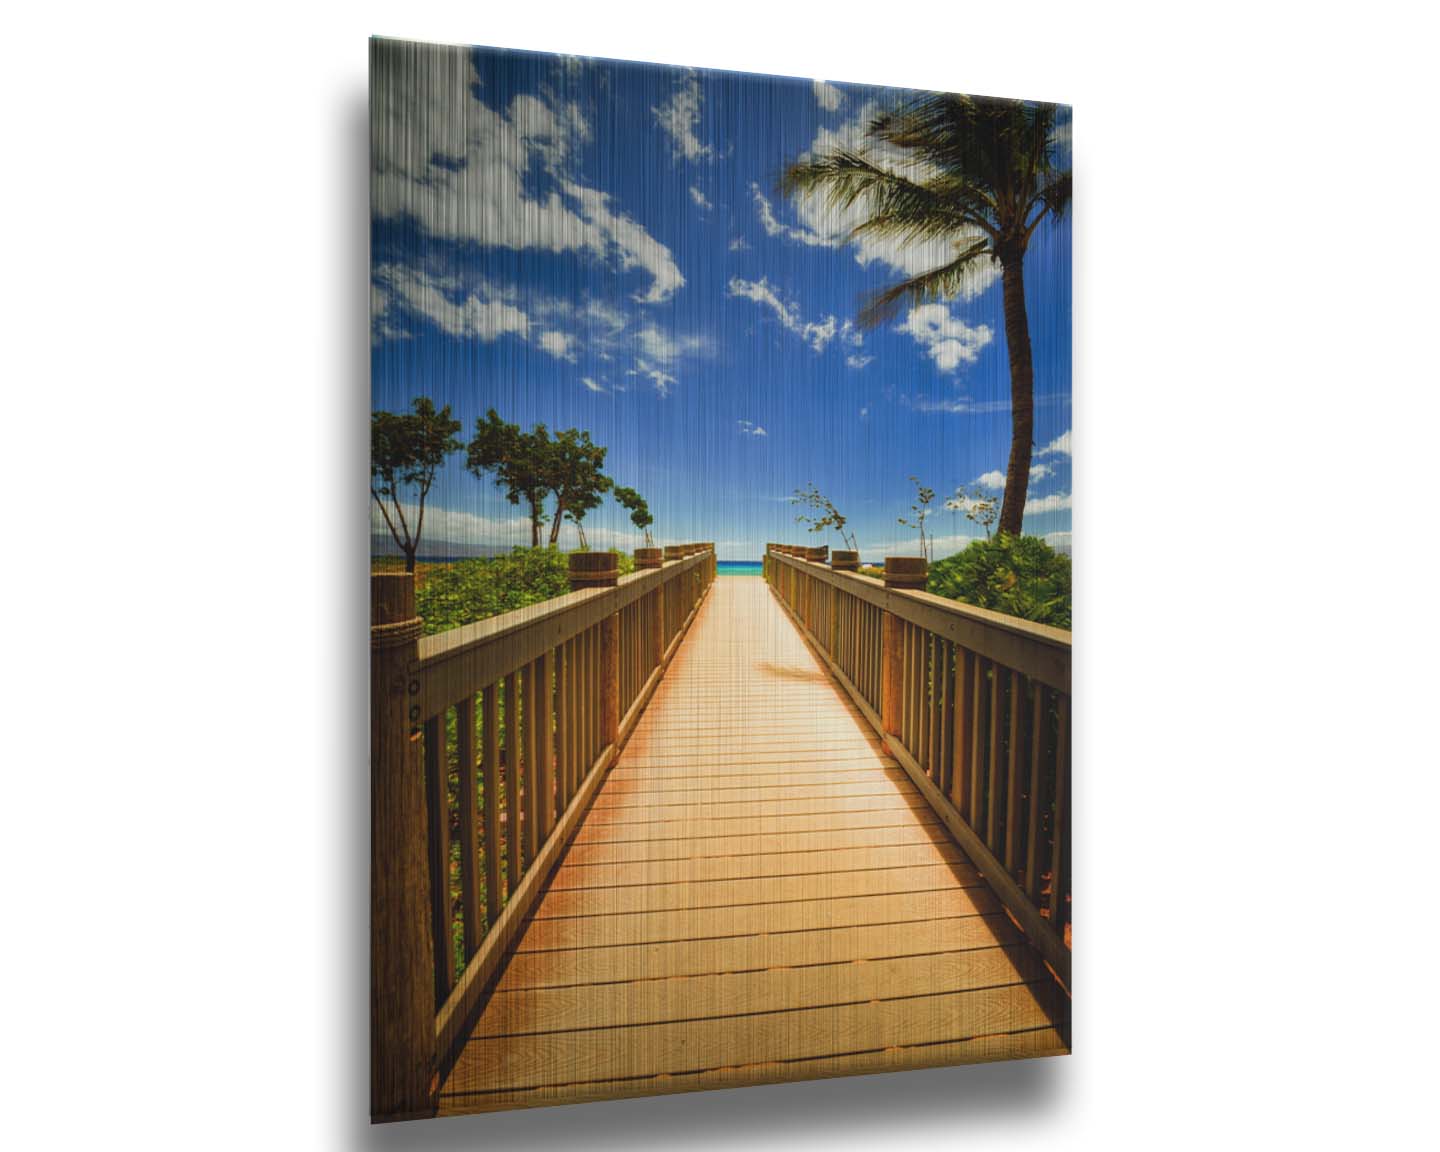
pixel 758 893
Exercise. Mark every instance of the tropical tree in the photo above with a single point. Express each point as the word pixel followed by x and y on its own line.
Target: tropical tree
pixel 639 510
pixel 822 514
pixel 978 172
pixel 920 511
pixel 573 475
pixel 406 449
pixel 522 463
pixel 978 507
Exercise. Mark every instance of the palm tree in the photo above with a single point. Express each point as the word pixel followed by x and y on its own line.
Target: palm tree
pixel 980 173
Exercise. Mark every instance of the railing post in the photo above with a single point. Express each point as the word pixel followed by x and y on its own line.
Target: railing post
pixel 648 558
pixel 402 954
pixel 602 570
pixel 901 572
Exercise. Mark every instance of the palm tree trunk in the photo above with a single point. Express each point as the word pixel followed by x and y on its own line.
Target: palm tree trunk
pixel 410 560
pixel 534 524
pixel 555 524
pixel 1022 394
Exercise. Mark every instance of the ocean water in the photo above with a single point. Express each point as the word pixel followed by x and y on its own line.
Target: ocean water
pixel 739 568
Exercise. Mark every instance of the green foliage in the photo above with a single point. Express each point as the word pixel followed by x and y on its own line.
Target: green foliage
pixel 822 514
pixel 532 466
pixel 639 510
pixel 456 594
pixel 980 173
pixel 978 507
pixel 1018 575
pixel 920 511
pixel 522 462
pixel 406 450
pixel 575 479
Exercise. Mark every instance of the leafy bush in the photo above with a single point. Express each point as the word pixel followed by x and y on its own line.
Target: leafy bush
pixel 451 595
pixel 1018 575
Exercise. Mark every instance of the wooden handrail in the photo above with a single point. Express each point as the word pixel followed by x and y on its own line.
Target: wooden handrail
pixel 975 705
pixel 515 721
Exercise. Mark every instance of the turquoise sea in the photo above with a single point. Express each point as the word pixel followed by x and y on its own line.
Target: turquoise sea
pixel 739 568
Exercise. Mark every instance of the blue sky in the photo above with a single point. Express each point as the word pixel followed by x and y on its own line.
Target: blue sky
pixel 601 245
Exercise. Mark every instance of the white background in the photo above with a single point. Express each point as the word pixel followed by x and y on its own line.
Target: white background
pixel 185 387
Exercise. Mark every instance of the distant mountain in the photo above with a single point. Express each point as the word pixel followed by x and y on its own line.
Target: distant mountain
pixel 439 550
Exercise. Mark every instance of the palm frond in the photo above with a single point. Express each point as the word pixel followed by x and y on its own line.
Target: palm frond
pixel 947 280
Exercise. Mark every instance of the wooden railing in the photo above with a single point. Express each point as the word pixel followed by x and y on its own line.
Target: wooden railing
pixel 974 704
pixel 488 743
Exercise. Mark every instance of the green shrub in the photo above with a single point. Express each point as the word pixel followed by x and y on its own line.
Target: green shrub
pixel 452 595
pixel 1018 575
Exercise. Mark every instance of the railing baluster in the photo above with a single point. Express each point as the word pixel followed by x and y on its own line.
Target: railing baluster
pixel 1032 824
pixel 980 680
pixel 1012 774
pixel 1059 856
pixel 945 755
pixel 468 801
pixel 530 709
pixel 562 726
pixel 964 730
pixel 490 709
pixel 995 771
pixel 545 765
pixel 437 804
pixel 512 783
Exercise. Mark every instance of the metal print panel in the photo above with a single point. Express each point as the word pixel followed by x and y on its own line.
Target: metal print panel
pixel 720 507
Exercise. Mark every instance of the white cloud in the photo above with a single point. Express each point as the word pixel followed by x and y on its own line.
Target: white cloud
pixel 478 314
pixel 659 352
pixel 996 479
pixel 738 244
pixel 815 333
pixel 1060 446
pixel 591 384
pixel 465 171
pixel 828 96
pixel 634 246
pixel 662 380
pixel 749 429
pixel 1060 541
pixel 948 339
pixel 679 117
pixel 559 344
pixel 774 227
pixel 657 344
pixel 699 198
pixel 959 406
pixel 864 413
pixel 858 361
pixel 1055 502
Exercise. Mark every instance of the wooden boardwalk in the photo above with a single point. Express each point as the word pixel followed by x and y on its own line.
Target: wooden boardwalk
pixel 758 894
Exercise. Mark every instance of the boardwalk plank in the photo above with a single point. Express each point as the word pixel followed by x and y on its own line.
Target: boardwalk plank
pixel 761 950
pixel 773 990
pixel 699 848
pixel 703 869
pixel 759 893
pixel 702 1045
